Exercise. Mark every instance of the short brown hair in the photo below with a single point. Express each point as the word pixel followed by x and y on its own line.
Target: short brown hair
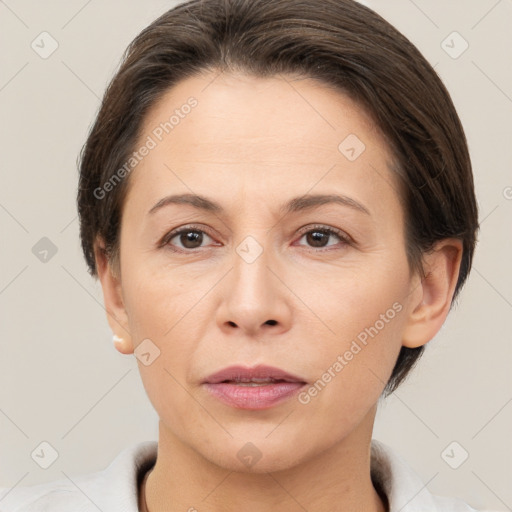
pixel 339 42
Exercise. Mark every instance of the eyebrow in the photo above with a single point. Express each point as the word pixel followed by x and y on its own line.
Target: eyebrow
pixel 297 204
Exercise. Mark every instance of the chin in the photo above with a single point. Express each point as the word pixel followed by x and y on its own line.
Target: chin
pixel 257 456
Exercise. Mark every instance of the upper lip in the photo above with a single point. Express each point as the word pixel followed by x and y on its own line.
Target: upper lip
pixel 259 373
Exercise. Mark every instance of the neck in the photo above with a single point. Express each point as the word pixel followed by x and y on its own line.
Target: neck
pixel 336 479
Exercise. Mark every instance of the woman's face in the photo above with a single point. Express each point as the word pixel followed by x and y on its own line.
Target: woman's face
pixel 259 280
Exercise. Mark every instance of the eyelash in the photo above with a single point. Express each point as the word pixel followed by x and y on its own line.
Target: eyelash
pixel 344 238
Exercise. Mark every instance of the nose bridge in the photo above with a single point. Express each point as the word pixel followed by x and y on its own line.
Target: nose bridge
pixel 251 275
pixel 253 296
pixel 252 250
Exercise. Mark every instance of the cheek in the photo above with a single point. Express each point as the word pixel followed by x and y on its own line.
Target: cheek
pixel 347 300
pixel 352 369
pixel 156 298
pixel 363 313
pixel 161 310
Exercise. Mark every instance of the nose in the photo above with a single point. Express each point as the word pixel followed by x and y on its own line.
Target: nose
pixel 255 301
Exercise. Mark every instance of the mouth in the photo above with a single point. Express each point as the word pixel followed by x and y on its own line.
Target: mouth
pixel 252 382
pixel 255 388
pixel 261 374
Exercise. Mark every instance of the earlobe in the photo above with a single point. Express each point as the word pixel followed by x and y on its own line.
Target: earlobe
pixel 122 345
pixel 437 287
pixel 113 300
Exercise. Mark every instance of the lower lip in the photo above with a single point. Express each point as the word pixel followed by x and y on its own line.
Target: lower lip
pixel 253 397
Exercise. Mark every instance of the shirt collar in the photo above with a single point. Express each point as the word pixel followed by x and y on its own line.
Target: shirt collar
pixel 403 487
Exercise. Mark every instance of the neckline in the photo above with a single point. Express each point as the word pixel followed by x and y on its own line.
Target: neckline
pixel 143 506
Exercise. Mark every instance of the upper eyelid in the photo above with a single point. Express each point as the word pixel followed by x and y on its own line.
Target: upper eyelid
pixel 178 231
pixel 305 229
pixel 323 227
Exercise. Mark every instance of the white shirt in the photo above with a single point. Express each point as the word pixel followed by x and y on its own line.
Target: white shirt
pixel 115 488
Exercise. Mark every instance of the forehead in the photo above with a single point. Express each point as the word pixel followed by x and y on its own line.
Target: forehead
pixel 249 130
pixel 265 111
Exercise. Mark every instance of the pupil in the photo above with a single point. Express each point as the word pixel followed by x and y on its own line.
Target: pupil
pixel 190 237
pixel 316 237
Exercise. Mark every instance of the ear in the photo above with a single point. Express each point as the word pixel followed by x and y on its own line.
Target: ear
pixel 433 298
pixel 113 299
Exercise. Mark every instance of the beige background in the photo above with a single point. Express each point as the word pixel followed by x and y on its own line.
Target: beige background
pixel 61 380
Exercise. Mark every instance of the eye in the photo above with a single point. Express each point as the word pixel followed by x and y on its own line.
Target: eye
pixel 187 238
pixel 319 236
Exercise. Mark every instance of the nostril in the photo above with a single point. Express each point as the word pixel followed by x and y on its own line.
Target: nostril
pixel 271 322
